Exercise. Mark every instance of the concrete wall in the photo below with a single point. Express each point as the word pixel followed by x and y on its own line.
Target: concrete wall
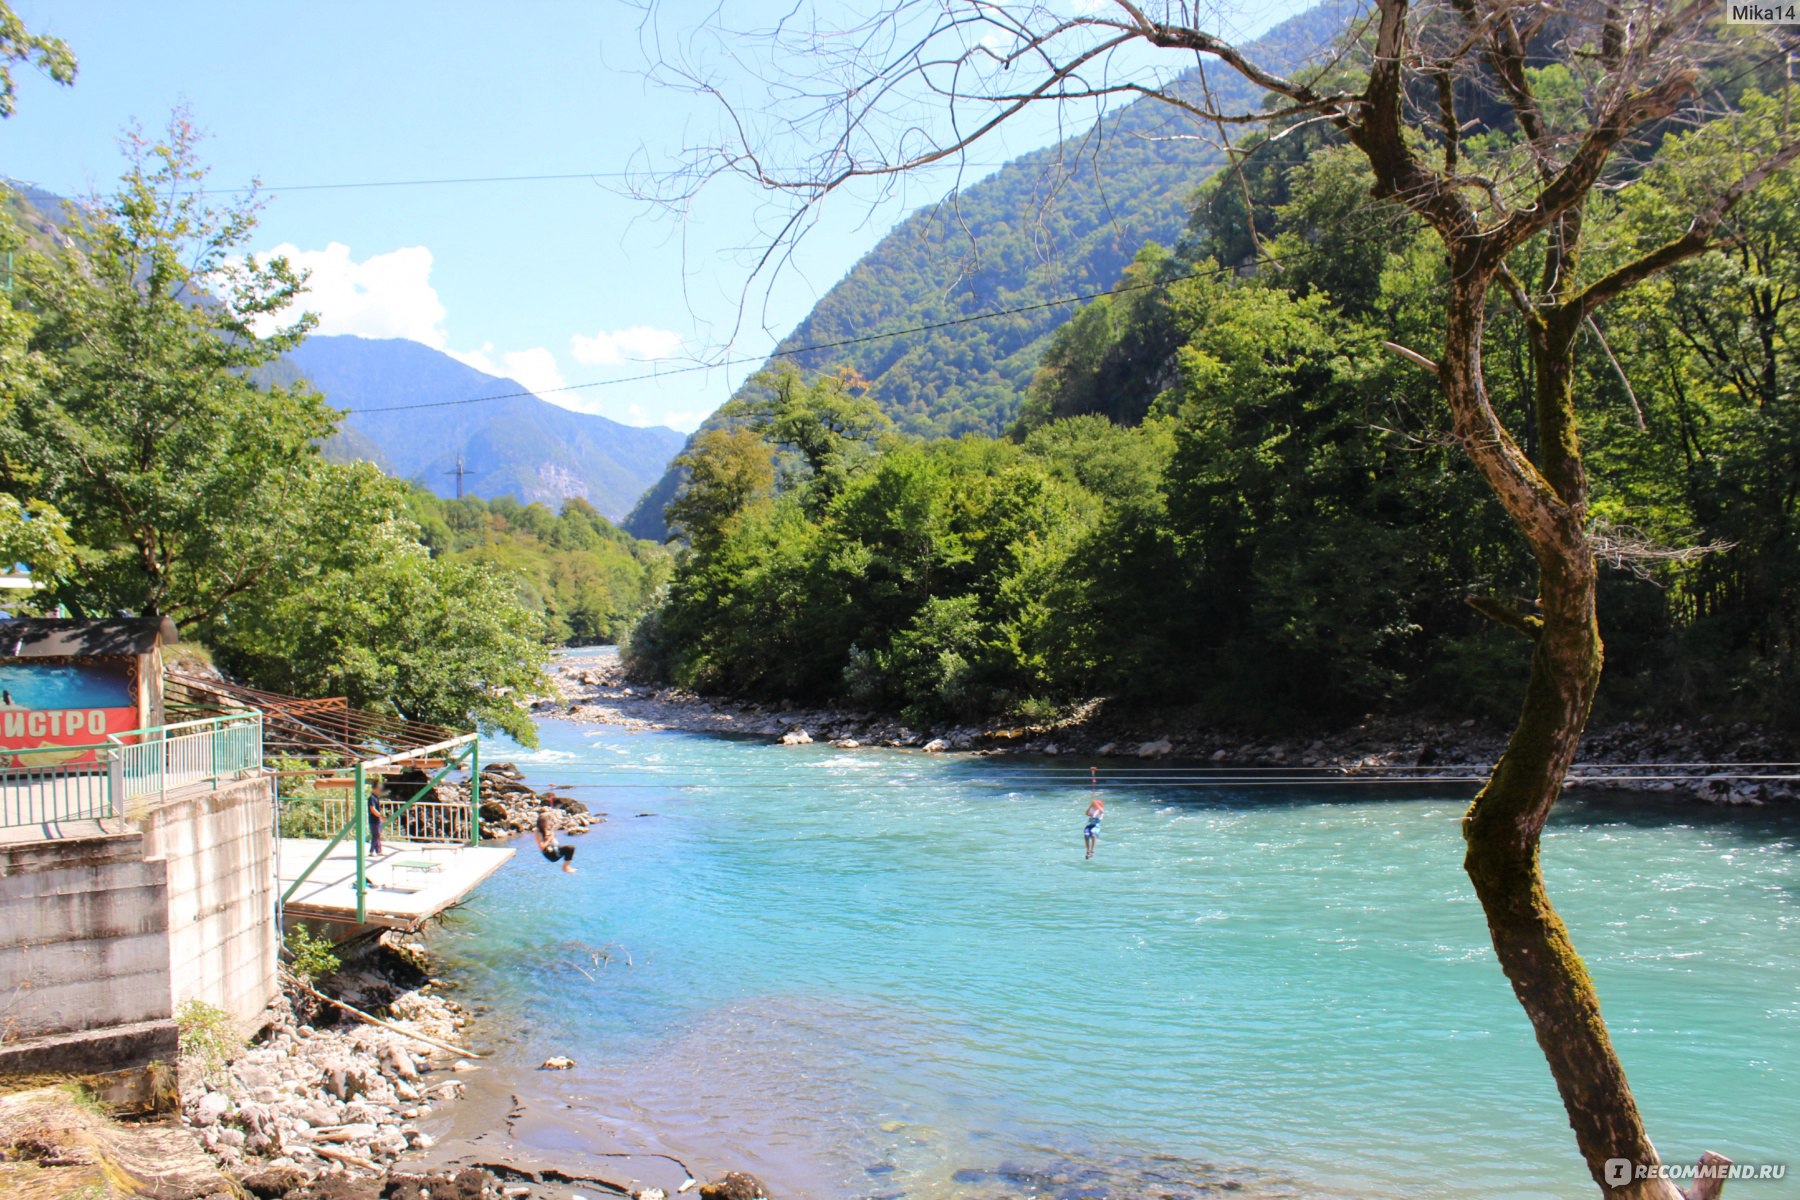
pixel 218 848
pixel 84 936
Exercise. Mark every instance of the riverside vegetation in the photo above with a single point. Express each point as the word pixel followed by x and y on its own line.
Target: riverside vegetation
pixel 1222 490
pixel 147 465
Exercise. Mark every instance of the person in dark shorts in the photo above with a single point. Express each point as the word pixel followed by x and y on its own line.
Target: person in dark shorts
pixel 1096 812
pixel 546 840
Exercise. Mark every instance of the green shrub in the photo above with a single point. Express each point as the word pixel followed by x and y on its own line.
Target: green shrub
pixel 308 817
pixel 312 957
pixel 209 1038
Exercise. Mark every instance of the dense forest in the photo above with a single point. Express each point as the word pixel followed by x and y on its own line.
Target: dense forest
pixel 1225 487
pixel 588 579
pixel 151 463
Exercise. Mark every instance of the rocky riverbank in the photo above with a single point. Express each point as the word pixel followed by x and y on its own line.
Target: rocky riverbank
pixel 320 1094
pixel 1629 755
pixel 509 807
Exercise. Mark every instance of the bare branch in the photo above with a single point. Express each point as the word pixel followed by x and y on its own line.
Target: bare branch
pixel 1412 356
pixel 1627 549
pixel 1697 238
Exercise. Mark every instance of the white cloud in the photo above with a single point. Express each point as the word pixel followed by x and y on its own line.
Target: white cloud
pixel 685 419
pixel 385 295
pixel 390 295
pixel 640 343
pixel 535 368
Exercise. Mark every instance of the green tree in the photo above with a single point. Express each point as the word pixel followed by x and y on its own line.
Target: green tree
pixel 831 424
pixel 173 469
pixel 18 44
pixel 728 470
pixel 360 609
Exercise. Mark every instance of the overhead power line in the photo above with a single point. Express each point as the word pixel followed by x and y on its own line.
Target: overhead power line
pixel 815 347
pixel 950 323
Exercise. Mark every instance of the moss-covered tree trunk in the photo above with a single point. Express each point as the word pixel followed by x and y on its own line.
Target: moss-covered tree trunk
pixel 1547 499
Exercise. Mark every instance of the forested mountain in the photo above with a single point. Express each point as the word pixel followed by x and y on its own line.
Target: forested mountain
pixel 1226 489
pixel 522 447
pixel 1061 221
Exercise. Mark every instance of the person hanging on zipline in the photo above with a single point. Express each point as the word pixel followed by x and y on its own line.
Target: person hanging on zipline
pixel 1096 810
pixel 546 840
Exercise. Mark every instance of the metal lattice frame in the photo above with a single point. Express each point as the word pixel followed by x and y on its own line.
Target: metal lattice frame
pixel 335 741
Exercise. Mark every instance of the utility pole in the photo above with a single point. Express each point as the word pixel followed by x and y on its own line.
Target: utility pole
pixel 459 476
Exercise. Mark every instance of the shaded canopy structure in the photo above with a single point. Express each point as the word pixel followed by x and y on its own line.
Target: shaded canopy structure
pixel 327 734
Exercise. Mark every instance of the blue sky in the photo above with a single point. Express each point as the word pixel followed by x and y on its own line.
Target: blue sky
pixel 550 281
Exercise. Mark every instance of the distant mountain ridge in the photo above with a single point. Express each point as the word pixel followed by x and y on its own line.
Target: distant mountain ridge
pixel 522 446
pixel 1061 221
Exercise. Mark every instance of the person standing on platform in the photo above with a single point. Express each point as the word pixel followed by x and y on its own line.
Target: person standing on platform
pixel 375 817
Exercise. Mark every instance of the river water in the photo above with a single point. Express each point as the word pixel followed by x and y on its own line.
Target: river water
pixel 876 973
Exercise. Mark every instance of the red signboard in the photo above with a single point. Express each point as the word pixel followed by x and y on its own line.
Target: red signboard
pixel 50 711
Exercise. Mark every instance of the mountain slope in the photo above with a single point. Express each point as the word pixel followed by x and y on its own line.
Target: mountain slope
pixel 1061 221
pixel 521 446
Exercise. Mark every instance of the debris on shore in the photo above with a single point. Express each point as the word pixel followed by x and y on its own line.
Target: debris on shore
pixel 319 1093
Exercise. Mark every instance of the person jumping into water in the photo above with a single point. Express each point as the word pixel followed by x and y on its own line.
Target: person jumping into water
pixel 546 840
pixel 1095 811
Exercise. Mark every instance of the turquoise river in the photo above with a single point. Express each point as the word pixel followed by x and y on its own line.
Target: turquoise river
pixel 874 973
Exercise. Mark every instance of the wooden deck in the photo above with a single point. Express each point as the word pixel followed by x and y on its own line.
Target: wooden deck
pixel 409 882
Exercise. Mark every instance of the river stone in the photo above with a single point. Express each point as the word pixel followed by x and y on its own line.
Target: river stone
pixel 212 1106
pixel 734 1185
pixel 253 1076
pixel 796 737
pixel 255 1117
pixel 1154 749
pixel 273 1182
pixel 936 746
pixel 317 1114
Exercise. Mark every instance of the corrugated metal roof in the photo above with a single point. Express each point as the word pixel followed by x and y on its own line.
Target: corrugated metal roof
pixel 69 637
pixel 325 730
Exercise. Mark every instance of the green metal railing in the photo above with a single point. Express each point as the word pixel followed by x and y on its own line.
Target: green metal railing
pixel 459 753
pixel 126 767
pixel 45 793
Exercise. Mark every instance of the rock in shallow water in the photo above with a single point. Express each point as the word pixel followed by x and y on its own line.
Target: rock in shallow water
pixel 734 1185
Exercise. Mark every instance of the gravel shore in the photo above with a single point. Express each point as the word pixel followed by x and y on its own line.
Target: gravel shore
pixel 321 1093
pixel 1716 763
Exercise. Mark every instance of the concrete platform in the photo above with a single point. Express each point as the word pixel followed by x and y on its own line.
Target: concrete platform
pixel 409 882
